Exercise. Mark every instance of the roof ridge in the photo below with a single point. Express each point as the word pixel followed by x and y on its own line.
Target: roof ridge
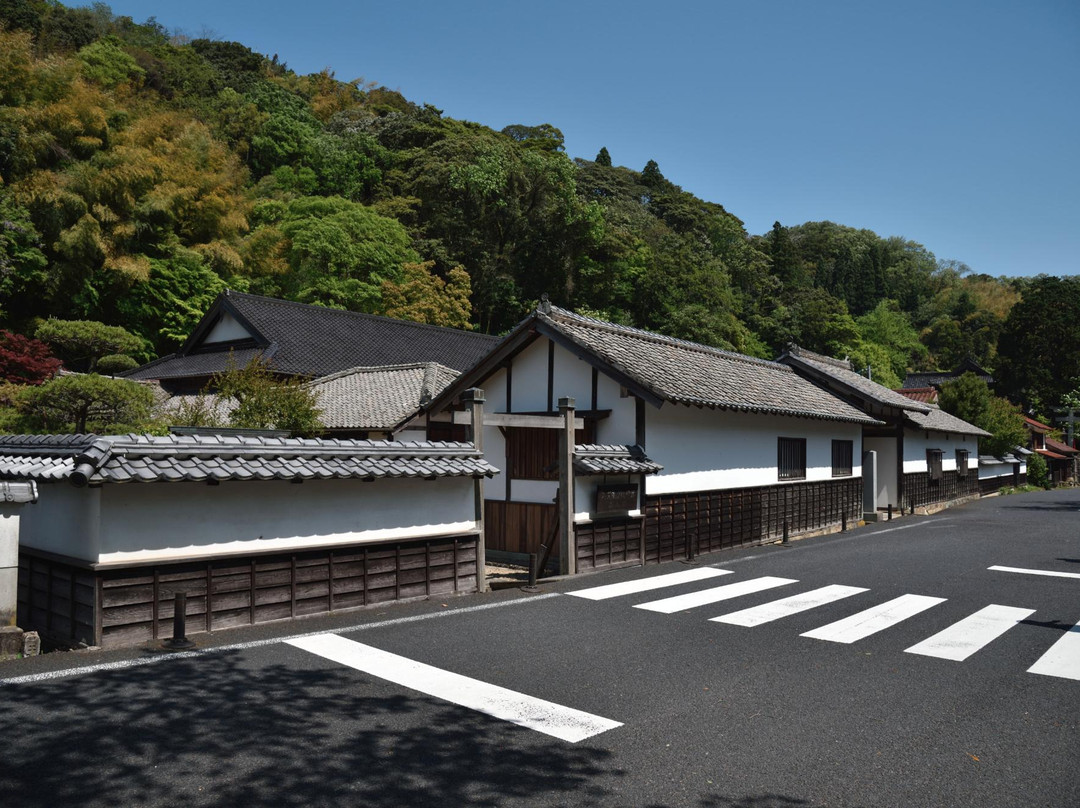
pixel 313 306
pixel 652 336
pixel 376 368
pixel 843 364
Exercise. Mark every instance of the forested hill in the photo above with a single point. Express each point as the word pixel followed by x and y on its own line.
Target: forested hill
pixel 143 174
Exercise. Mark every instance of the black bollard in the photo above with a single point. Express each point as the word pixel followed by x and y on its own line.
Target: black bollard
pixel 890 512
pixel 785 532
pixel 843 521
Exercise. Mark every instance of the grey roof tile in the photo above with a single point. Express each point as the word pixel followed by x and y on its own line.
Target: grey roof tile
pixel 616 459
pixel 688 373
pixel 840 372
pixel 940 421
pixel 122 458
pixel 314 341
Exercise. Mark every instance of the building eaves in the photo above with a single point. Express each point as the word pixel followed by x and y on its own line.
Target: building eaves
pixel 174 458
pixel 937 420
pixel 613 459
pixel 838 373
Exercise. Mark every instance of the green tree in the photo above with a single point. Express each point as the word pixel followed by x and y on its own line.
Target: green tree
pixel 264 401
pixel 84 403
pixel 966 397
pixel 603 158
pixel 83 343
pixel 1037 471
pixel 424 297
pixel 969 399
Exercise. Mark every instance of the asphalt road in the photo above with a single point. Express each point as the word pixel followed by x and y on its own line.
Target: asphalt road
pixel 709 713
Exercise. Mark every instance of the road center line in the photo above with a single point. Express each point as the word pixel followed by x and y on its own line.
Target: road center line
pixel 561 722
pixel 1051 573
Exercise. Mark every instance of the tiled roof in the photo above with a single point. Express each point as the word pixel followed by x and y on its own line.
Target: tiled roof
pixel 379 398
pixel 1059 447
pixel 314 341
pixel 924 395
pixel 840 372
pixel 688 373
pixel 599 459
pixel 1036 426
pixel 940 421
pixel 142 458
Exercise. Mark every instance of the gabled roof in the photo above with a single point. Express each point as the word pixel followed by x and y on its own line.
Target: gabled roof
pixel 839 374
pixel 313 341
pixel 663 369
pixel 924 395
pixel 1060 448
pixel 935 378
pixel 379 398
pixel 1036 426
pixel 940 421
pixel 84 459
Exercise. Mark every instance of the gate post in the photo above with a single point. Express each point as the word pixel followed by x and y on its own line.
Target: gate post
pixel 473 398
pixel 565 515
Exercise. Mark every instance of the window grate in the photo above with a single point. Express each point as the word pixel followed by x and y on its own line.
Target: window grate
pixel 791 458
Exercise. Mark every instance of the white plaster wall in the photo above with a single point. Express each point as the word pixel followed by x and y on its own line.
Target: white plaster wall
pixel 227 329
pixel 573 377
pixel 704 449
pixel 64 520
pixel 163 521
pixel 917 442
pixel 888 491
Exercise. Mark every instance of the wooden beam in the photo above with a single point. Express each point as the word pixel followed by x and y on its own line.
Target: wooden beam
pixel 507 419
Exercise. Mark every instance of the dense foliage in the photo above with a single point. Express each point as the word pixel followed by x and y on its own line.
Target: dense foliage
pixel 143 173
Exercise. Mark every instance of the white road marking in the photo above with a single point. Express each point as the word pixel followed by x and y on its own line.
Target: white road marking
pixel 1063 658
pixel 157 659
pixel 543 716
pixel 873 620
pixel 961 640
pixel 1051 573
pixel 716 594
pixel 767 612
pixel 647 584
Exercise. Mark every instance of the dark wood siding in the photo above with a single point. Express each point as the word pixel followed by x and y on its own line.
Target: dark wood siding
pixel 532 453
pixel 135 604
pixel 677 525
pixel 519 527
pixel 920 490
pixel 608 543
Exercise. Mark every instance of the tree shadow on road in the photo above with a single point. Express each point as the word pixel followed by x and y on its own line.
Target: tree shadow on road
pixel 214 730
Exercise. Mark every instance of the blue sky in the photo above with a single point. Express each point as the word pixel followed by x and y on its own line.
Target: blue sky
pixel 952 123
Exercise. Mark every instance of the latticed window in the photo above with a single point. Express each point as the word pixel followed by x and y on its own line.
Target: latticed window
pixel 841 458
pixel 961 462
pixel 933 464
pixel 791 458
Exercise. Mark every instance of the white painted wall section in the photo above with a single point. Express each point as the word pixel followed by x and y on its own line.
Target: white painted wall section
pixel 703 449
pixel 916 442
pixel 64 520
pixel 888 489
pixel 167 521
pixel 227 329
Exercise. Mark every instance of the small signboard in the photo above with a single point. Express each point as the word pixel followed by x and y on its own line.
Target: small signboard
pixel 616 500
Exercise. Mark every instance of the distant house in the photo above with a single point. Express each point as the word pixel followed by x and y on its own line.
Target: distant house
pixel 935 378
pixel 924 457
pixel 250 528
pixel 382 402
pixel 304 341
pixel 1060 457
pixel 678 448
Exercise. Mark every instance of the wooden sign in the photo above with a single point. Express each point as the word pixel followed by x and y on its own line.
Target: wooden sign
pixel 616 500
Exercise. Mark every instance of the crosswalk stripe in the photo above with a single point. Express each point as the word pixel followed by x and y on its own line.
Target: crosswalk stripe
pixel 875 619
pixel 1063 657
pixel 648 584
pixel 767 612
pixel 543 716
pixel 692 599
pixel 962 639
